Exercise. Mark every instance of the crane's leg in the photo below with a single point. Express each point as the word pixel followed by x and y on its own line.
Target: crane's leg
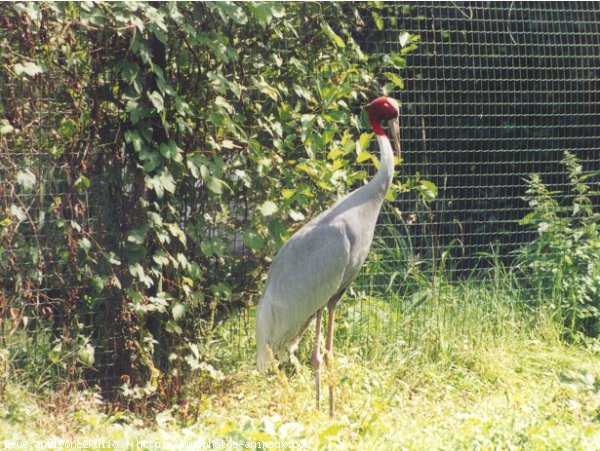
pixel 329 355
pixel 316 358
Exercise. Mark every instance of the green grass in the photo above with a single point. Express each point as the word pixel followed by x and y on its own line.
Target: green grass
pixel 446 366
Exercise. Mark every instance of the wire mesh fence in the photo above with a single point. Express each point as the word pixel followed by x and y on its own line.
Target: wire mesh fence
pixel 493 92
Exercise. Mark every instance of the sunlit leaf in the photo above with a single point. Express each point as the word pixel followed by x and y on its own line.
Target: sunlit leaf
pixel 157 100
pixel 28 68
pixel 404 39
pixel 253 239
pixel 86 354
pixel 231 10
pixel 395 79
pixel 378 20
pixel 178 311
pixel 268 208
pixel 364 156
pixel 287 193
pixel 170 151
pixel 26 178
pixel 363 142
pixel 337 40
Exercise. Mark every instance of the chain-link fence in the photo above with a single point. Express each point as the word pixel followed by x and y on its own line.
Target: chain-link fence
pixel 494 92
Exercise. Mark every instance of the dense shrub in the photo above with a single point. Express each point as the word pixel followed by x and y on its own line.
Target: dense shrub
pixel 164 151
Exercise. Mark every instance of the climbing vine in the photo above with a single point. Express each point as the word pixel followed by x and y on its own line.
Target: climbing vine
pixel 198 137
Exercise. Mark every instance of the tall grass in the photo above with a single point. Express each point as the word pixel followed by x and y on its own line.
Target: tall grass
pixel 426 362
pixel 411 316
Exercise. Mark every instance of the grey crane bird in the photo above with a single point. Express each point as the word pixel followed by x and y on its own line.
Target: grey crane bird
pixel 319 262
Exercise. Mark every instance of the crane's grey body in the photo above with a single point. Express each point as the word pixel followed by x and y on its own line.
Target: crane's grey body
pixel 318 263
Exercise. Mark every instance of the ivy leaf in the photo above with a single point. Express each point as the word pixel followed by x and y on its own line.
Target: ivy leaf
pixel 363 142
pixel 173 328
pixel 32 9
pixel 17 212
pixel 404 39
pixel 156 17
pixel 160 258
pixel 170 151
pixel 267 89
pixel 129 72
pixel 86 354
pixel 395 79
pixel 306 168
pixel 297 215
pixel 175 231
pixel 264 12
pixel 215 184
pixel 178 311
pixel 113 259
pixel 137 271
pixel 428 189
pixel 91 14
pixel 99 283
pixel 161 182
pixel 277 230
pixel 82 183
pixel 30 69
pixel 364 156
pixel 337 40
pixel 84 244
pixel 157 100
pixel 253 239
pixel 261 11
pixel 26 178
pixel 134 138
pixel 135 236
pixel 154 184
pixel 67 128
pixel 268 208
pixel 136 110
pixel 5 127
pixel 378 20
pixel 287 193
pixel 142 49
pixel 230 9
pixel 167 180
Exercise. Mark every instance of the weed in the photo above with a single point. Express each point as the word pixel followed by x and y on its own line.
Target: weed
pixel 561 266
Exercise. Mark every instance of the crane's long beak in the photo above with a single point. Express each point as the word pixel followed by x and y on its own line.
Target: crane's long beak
pixel 394 127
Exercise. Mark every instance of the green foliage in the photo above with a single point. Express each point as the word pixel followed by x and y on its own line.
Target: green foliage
pixel 561 264
pixel 194 139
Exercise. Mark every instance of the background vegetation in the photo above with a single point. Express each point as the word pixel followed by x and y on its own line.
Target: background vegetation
pixel 154 156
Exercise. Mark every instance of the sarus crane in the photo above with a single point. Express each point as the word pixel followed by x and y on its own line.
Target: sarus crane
pixel 313 269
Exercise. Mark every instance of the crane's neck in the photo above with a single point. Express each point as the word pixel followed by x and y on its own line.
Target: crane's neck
pixel 380 184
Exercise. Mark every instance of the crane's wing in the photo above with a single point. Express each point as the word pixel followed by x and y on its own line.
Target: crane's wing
pixel 309 269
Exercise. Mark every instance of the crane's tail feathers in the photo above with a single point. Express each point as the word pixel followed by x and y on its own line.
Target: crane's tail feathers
pixel 265 359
